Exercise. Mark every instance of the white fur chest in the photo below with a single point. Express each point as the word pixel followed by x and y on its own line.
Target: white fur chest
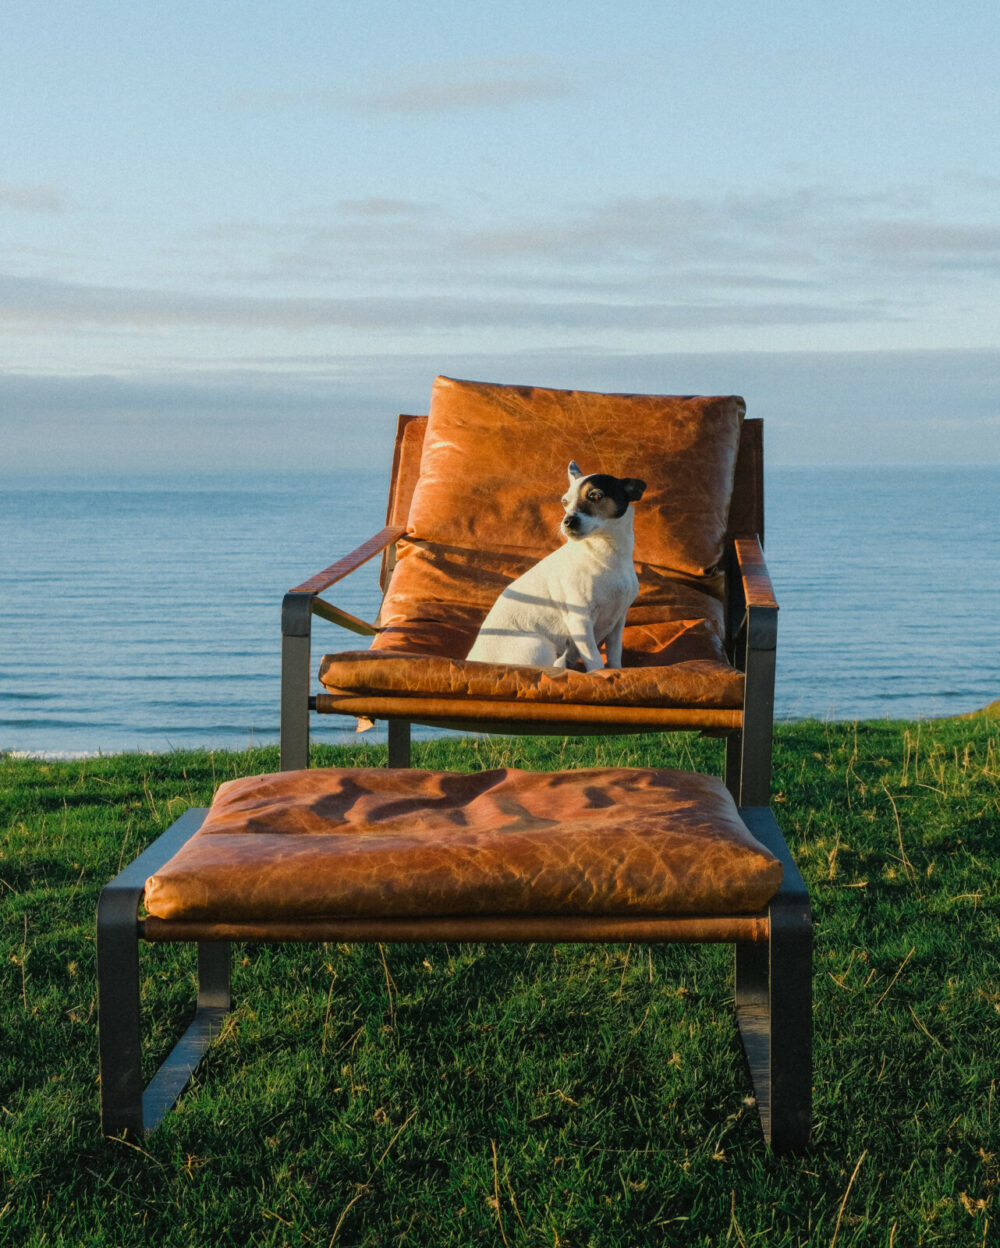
pixel 564 608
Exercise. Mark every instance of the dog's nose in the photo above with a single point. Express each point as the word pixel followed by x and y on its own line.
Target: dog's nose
pixel 571 523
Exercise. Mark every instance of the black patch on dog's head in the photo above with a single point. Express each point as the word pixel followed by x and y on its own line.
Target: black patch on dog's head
pixel 600 490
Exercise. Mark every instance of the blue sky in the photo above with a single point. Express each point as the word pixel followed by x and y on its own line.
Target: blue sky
pixel 250 233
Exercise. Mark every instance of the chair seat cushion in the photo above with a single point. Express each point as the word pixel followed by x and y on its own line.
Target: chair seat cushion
pixel 701 683
pixel 402 843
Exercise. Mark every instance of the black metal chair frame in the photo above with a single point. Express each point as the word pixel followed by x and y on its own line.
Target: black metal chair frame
pixel 773 996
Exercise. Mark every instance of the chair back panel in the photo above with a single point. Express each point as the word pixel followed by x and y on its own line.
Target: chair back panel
pixel 406 454
pixel 746 512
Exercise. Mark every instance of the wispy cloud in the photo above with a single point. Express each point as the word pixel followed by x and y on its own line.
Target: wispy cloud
pixel 34 303
pixel 794 237
pixel 836 407
pixel 934 244
pixel 790 226
pixel 441 97
pixel 36 198
pixel 808 256
pixel 452 86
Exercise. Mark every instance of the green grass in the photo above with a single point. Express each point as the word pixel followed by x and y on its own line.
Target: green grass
pixel 575 1095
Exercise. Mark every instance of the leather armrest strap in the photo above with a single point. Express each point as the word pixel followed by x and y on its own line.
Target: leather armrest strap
pixel 361 554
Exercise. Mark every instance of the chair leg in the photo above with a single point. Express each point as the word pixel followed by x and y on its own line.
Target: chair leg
pixel 296 624
pixel 399 742
pixel 747 773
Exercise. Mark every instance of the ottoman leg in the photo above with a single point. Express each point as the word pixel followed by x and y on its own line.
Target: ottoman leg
pixel 214 1001
pixel 774 1002
pixel 774 1011
pixel 119 1038
pixel 125 1107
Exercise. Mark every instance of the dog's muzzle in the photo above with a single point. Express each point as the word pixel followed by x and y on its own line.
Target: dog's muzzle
pixel 571 523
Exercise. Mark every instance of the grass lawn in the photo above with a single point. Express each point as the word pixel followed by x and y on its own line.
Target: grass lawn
pixel 568 1095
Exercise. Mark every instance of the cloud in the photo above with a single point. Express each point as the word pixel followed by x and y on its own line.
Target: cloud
pixel 31 303
pixel 442 97
pixel 228 421
pixel 256 393
pixel 33 198
pixel 793 229
pixel 937 407
pixel 934 244
pixel 447 87
pixel 818 243
pixel 655 265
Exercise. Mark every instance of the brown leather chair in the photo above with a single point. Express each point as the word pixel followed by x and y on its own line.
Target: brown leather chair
pixel 474 501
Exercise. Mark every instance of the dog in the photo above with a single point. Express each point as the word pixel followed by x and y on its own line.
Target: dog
pixel 560 611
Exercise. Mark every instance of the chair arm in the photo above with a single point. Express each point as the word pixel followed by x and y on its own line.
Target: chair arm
pixel 753 641
pixel 297 609
pixel 361 554
pixel 758 598
pixel 303 601
pixel 757 588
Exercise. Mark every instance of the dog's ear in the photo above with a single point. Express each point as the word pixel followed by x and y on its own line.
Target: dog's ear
pixel 634 488
pixel 574 471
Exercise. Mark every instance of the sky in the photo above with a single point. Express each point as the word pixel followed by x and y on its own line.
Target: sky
pixel 245 235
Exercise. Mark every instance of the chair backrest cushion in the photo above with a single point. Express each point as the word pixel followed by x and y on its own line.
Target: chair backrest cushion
pixel 494 465
pixel 486 506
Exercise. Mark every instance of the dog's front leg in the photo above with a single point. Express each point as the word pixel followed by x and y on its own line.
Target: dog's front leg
pixel 613 643
pixel 587 647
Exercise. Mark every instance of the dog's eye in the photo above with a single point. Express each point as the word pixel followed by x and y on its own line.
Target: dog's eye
pixel 595 496
pixel 565 500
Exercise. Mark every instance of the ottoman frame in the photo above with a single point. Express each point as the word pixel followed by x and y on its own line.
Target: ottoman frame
pixel 773 974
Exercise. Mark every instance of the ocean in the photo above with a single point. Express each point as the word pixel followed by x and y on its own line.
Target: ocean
pixel 143 613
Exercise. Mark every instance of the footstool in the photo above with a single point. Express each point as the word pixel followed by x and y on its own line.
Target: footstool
pixel 601 855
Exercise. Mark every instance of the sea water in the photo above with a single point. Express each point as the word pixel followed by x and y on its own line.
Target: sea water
pixel 144 613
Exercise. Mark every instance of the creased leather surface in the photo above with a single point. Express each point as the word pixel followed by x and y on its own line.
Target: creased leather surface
pixel 532 715
pixel 494 467
pixel 404 843
pixel 478 520
pixel 692 683
pixel 439 596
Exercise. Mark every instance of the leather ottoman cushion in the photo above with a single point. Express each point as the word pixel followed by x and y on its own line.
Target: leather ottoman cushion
pixel 402 843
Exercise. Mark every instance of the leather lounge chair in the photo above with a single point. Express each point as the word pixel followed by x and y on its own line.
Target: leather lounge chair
pixel 474 501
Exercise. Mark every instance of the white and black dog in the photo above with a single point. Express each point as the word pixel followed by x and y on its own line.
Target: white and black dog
pixel 560 611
